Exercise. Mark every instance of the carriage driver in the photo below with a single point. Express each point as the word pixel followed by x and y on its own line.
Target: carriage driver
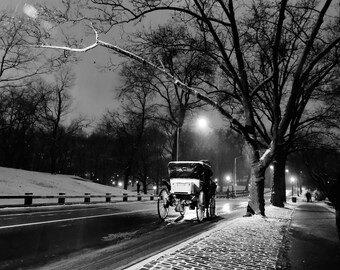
pixel 208 186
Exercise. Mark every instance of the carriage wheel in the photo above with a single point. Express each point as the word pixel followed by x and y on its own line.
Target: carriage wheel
pixel 200 208
pixel 163 204
pixel 212 207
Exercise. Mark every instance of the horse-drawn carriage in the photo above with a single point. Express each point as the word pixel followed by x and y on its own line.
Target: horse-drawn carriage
pixel 190 186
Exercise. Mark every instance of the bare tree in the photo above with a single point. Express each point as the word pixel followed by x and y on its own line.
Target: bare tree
pixel 273 56
pixel 136 114
pixel 151 165
pixel 19 60
pixel 19 115
pixel 168 45
pixel 57 110
pixel 20 66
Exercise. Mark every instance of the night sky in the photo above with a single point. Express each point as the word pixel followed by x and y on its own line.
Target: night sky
pixel 94 88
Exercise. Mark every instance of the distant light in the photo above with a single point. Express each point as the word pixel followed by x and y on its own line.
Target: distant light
pixel 271 167
pixel 113 182
pixel 202 123
pixel 292 179
pixel 154 187
pixel 287 171
pixel 228 178
pixel 120 184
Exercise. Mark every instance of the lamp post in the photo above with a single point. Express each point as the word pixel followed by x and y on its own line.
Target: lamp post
pixel 235 167
pixel 228 179
pixel 301 181
pixel 292 180
pixel 286 183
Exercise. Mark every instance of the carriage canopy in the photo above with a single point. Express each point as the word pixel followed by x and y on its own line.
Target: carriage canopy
pixel 190 169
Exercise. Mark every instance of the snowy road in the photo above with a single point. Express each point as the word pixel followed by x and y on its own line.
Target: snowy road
pixel 131 231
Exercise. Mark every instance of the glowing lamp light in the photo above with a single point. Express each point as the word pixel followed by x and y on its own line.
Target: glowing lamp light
pixel 202 123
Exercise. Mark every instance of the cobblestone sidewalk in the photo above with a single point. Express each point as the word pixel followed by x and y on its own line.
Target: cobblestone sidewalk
pixel 244 243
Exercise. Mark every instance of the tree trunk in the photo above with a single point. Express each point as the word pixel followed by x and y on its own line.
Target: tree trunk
pixel 248 182
pixel 177 135
pixel 278 196
pixel 127 173
pixel 145 185
pixel 174 146
pixel 256 186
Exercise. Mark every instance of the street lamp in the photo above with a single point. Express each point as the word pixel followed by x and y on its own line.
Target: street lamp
pixel 177 143
pixel 235 167
pixel 300 181
pixel 216 182
pixel 292 180
pixel 202 124
pixel 228 179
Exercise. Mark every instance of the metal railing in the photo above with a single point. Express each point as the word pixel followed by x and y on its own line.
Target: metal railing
pixel 62 198
pixel 233 194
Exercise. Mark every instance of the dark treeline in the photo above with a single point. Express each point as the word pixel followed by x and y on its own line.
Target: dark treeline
pixel 25 143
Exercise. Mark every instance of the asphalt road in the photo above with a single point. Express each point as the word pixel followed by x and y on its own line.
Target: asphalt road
pixel 96 236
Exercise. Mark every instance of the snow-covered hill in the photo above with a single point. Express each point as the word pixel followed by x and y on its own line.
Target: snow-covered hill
pixel 19 182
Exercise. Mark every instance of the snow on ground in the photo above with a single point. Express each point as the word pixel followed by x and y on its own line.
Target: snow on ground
pixel 19 182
